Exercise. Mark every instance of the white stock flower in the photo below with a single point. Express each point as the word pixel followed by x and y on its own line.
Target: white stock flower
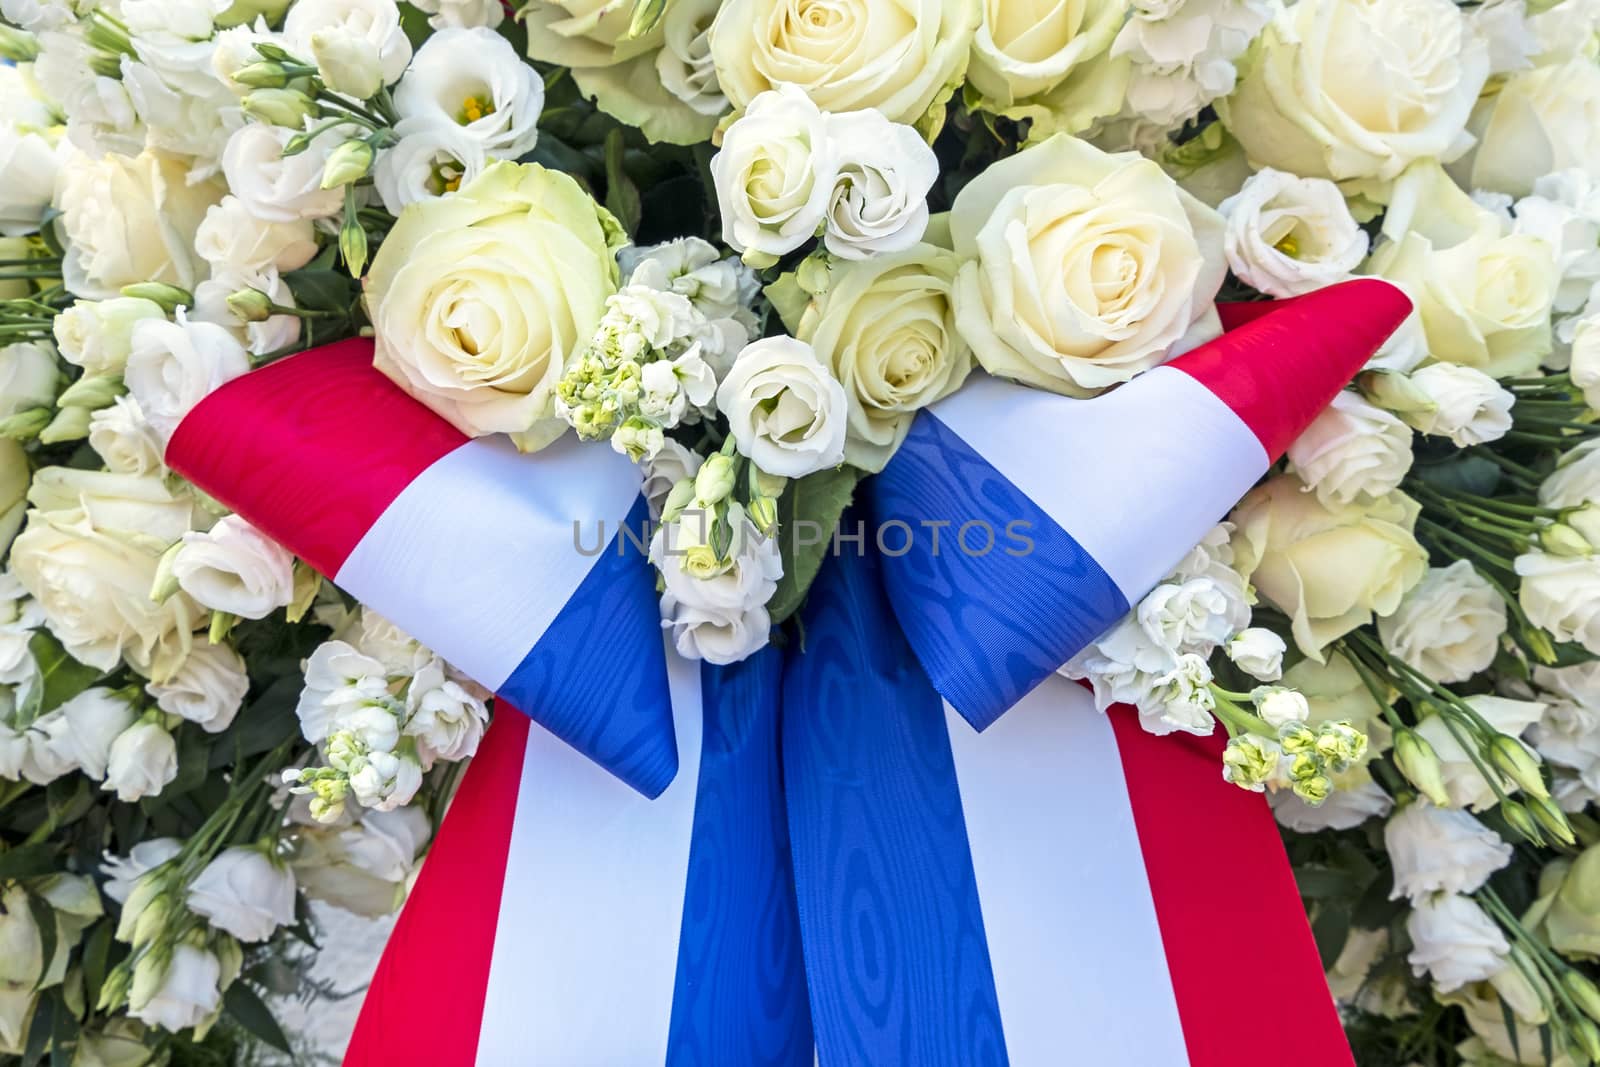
pixel 386 781
pixel 785 410
pixel 28 166
pixel 1464 783
pixel 94 719
pixel 1257 652
pixel 1181 700
pixel 1438 850
pixel 1469 407
pixel 431 159
pixel 172 366
pixel 278 188
pixel 143 759
pixel 1568 735
pixel 1287 235
pixel 1564 212
pixel 1183 54
pixel 445 716
pixel 100 113
pixel 339 680
pixel 1122 666
pixel 97 334
pixel 125 441
pixel 1454 942
pixel 1354 450
pixel 473 80
pixel 187 994
pixel 232 238
pixel 29 377
pixel 715 612
pixel 719 287
pixel 1081 268
pixel 1449 625
pixel 1280 706
pixel 879 201
pixel 362 868
pixel 234 567
pixel 1561 594
pixel 245 892
pixel 208 688
pixel 374 24
pixel 775 175
pixel 1193 615
pixel 123 871
pixel 1543 120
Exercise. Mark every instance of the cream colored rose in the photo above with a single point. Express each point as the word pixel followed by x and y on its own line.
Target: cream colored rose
pixel 88 555
pixel 1353 450
pixel 1482 292
pixel 886 328
pixel 1081 269
pixel 1540 121
pixel 14 478
pixel 903 57
pixel 129 219
pixel 1449 626
pixel 1043 59
pixel 1329 570
pixel 1357 88
pixel 480 298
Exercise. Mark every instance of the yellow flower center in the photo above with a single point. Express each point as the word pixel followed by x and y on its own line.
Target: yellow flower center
pixel 475 107
pixel 1289 246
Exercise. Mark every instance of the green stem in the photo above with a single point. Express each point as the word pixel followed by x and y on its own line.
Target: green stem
pixel 1493 558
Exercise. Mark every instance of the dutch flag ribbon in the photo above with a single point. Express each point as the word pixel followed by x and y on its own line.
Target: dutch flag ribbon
pixel 820 857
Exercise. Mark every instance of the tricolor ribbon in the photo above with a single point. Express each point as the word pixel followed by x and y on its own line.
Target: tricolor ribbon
pixel 835 862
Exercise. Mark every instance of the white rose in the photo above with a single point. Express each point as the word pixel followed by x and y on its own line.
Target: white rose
pixel 125 441
pixel 1257 652
pixel 1082 269
pixel 685 64
pixel 278 188
pixel 1576 479
pixel 1455 942
pixel 1469 407
pixel 900 57
pixel 474 80
pixel 232 238
pixel 362 868
pixel 188 993
pixel 40 753
pixel 1304 103
pixel 1029 57
pixel 1464 783
pixel 1287 235
pixel 172 366
pixel 123 871
pixel 432 158
pixel 1539 121
pixel 208 688
pixel 1353 450
pixel 234 567
pixel 1561 594
pixel 29 377
pixel 245 892
pixel 1585 369
pixel 373 23
pixel 879 201
pixel 339 680
pixel 143 759
pixel 775 175
pixel 129 219
pixel 95 717
pixel 1348 806
pixel 665 469
pixel 1449 625
pixel 446 13
pixel 445 716
pixel 785 410
pixel 1439 850
pixel 485 349
pixel 97 334
pixel 1483 293
pixel 28 165
pixel 89 556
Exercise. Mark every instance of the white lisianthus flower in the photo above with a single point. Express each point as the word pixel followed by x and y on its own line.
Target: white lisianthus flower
pixel 15 474
pixel 1454 942
pixel 443 14
pixel 278 188
pixel 208 688
pixel 1347 806
pixel 234 567
pixel 684 64
pixel 94 719
pixel 1353 450
pixel 785 410
pixel 1449 625
pixel 129 219
pixel 374 24
pixel 29 377
pixel 432 158
pixel 20 615
pixel 1568 735
pixel 1585 369
pixel 879 201
pixel 671 465
pixel 187 993
pixel 28 166
pixel 172 366
pixel 40 753
pixel 1576 480
pixel 123 871
pixel 1438 850
pixel 234 48
pixel 1539 121
pixel 143 759
pixel 1303 103
pixel 339 681
pixel 1483 293
pixel 775 175
pixel 715 611
pixel 272 334
pixel 231 238
pixel 124 440
pixel 1081 268
pixel 1257 652
pixel 1469 407
pixel 1561 594
pixel 474 80
pixel 97 334
pixel 445 716
pixel 1464 783
pixel 486 349
pixel 1287 235
pixel 245 892
pixel 362 868
pixel 903 58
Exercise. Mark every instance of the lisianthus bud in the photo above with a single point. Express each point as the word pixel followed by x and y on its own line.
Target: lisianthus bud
pixel 1420 764
pixel 348 62
pixel 767 484
pixel 1280 706
pixel 678 497
pixel 18 45
pixel 263 75
pixel 250 305
pixel 1516 763
pixel 1559 539
pixel 165 583
pixel 1258 652
pixel 92 393
pixel 1393 391
pixel 243 11
pixel 25 425
pixel 1250 760
pixel 70 424
pixel 1584 993
pixel 715 479
pixel 1588 1036
pixel 763 511
pixel 1553 819
pixel 347 163
pixel 353 245
pixel 168 297
pixel 278 107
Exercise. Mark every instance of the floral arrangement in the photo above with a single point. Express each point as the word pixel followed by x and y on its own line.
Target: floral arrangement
pixel 744 242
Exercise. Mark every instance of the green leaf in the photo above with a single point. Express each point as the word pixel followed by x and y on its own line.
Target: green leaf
pixel 60 676
pixel 1463 472
pixel 1546 1044
pixel 27 861
pixel 1326 883
pixel 44 917
pixel 1331 930
pixel 262 725
pixel 322 290
pixel 622 196
pixel 250 1012
pixel 194 758
pixel 63 1037
pixel 1510 1018
pixel 39 1030
pixel 96 959
pixel 808 512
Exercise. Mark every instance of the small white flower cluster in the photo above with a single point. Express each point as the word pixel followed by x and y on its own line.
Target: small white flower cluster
pixel 382 709
pixel 1183 54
